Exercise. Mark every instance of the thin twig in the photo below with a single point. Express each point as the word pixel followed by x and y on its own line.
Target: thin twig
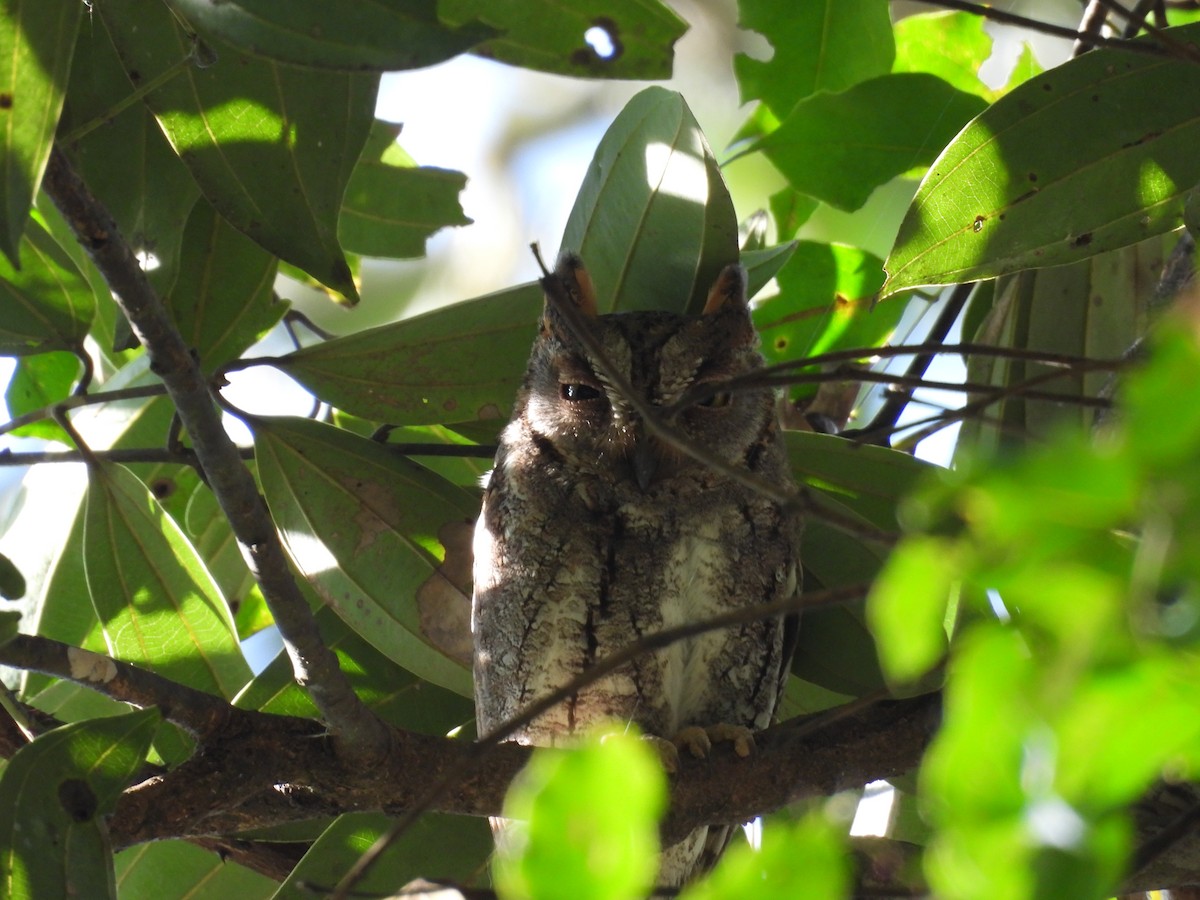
pixel 358 733
pixel 1146 48
pixel 77 400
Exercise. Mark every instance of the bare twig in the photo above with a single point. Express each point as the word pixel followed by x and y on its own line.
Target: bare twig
pixel 1146 48
pixel 77 400
pixel 358 732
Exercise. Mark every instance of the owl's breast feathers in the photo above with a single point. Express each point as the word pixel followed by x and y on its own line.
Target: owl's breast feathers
pixel 572 569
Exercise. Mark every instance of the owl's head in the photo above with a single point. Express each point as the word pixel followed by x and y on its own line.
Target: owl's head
pixel 674 363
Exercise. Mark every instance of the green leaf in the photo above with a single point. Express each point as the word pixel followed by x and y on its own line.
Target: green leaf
pixel 54 794
pixel 805 860
pixel 393 693
pixel 178 870
pixel 791 209
pixel 826 302
pixel 455 847
pixel 840 147
pixel 550 35
pixel 764 264
pixel 950 45
pixel 125 159
pixel 1032 183
pixel 384 541
pixel 12 582
pixel 223 300
pixel 157 604
pixel 820 45
pixel 46 304
pixel 908 606
pixel 271 146
pixel 353 34
pixel 588 822
pixel 39 382
pixel 653 221
pixel 392 205
pixel 458 363
pixel 36 37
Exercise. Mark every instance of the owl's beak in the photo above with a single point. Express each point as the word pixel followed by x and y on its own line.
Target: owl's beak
pixel 644 461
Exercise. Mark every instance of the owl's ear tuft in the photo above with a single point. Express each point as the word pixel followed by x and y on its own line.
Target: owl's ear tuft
pixel 575 282
pixel 729 291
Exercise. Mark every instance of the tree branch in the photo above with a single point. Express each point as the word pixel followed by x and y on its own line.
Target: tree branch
pixel 358 732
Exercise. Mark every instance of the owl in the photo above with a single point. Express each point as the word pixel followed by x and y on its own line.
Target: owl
pixel 595 533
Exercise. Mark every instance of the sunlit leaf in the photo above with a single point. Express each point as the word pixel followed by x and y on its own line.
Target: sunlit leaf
pixel 589 822
pixel 299 131
pixel 806 860
pixel 392 205
pixel 36 37
pixel 553 36
pixel 178 870
pixel 157 604
pixel 840 147
pixel 55 793
pixel 653 221
pixel 1032 183
pixel 385 542
pixel 38 382
pixel 908 604
pixel 820 45
pixel 460 845
pixel 46 304
pixel 353 34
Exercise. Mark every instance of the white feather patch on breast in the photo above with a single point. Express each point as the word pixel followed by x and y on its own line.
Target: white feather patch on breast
pixel 693 574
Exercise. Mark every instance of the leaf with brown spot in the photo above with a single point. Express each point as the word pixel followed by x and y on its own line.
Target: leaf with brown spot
pixel 366 528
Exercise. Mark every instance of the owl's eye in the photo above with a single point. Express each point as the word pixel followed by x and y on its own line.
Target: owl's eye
pixel 716 401
pixel 579 393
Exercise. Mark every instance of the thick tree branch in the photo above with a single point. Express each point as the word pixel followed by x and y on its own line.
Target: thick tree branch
pixel 358 732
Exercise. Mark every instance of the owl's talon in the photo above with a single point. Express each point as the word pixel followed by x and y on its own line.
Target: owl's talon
pixel 668 753
pixel 740 736
pixel 695 740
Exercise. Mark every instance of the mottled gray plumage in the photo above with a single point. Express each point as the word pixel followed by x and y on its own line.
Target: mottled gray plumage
pixel 593 534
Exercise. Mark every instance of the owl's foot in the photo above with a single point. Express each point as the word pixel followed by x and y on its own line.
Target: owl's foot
pixel 698 741
pixel 668 753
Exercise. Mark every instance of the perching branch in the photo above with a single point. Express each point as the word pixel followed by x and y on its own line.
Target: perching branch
pixel 358 733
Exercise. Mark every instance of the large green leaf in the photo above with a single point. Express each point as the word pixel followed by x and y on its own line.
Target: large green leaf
pixel 454 848
pixel 39 381
pixel 54 794
pixel 271 146
pixel 46 304
pixel 124 158
pixel 178 870
pixel 384 541
pixel 1032 181
pixel 36 37
pixel 392 205
pixel 350 34
pixel 840 147
pixel 393 693
pixel 157 604
pixel 820 45
pixel 653 220
pixel 587 820
pixel 455 364
pixel 224 298
pixel 825 302
pixel 553 35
